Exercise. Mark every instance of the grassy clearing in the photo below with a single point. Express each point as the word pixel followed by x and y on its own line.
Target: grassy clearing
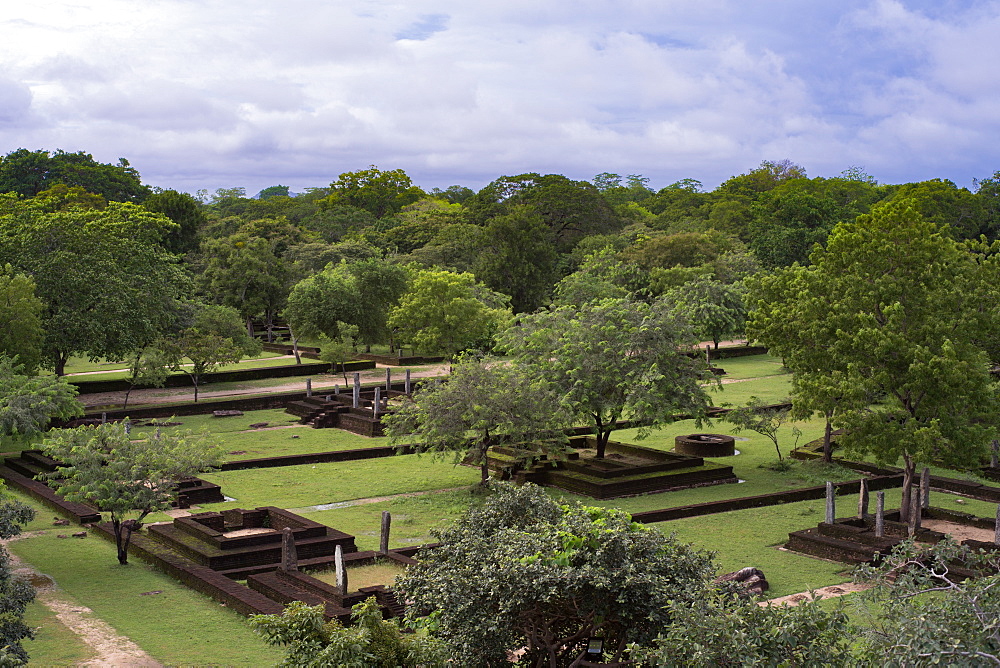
pixel 178 626
pixel 103 369
pixel 54 644
pixel 379 573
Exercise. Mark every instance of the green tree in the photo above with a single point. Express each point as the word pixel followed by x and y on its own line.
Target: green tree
pixel 526 572
pixel 762 179
pixel 21 312
pixel 28 403
pixel 447 312
pixel 15 591
pixel 125 475
pixel 216 337
pixel 758 417
pixel 715 310
pixel 379 192
pixel 185 211
pixel 273 191
pixel 720 629
pixel 518 259
pixel 370 642
pixel 942 202
pixel 28 173
pixel 380 285
pixel 322 303
pixel 484 402
pixel 893 309
pixel 613 359
pixel 108 285
pixel 920 612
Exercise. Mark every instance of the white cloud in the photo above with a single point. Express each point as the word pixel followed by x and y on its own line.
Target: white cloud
pixel 254 93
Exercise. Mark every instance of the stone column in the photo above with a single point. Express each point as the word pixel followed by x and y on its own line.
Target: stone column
pixel 336 389
pixel 915 510
pixel 309 387
pixel 863 499
pixel 407 382
pixel 996 530
pixel 128 426
pixel 831 504
pixel 377 403
pixel 104 419
pixel 357 389
pixel 388 380
pixel 289 556
pixel 387 522
pixel 338 558
pixel 925 488
pixel 879 514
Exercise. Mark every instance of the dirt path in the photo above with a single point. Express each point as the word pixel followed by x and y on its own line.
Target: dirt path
pixel 372 499
pixel 110 648
pixel 151 396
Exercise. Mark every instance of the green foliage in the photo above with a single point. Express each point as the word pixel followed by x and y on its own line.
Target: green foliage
pixel 756 416
pixel 28 403
pixel 27 173
pixel 896 310
pixel 216 337
pixel 484 402
pixel 125 476
pixel 108 284
pixel 719 629
pixel 920 612
pixel 447 312
pixel 946 205
pixel 246 273
pixel 15 592
pixel 20 311
pixel 370 642
pixel 183 210
pixel 715 310
pixel 320 303
pixel 376 191
pixel 523 571
pixel 612 359
pixel 518 258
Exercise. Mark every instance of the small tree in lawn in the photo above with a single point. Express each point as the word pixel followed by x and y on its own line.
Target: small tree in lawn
pixel 149 367
pixel 215 338
pixel 613 359
pixel 758 417
pixel 484 402
pixel 127 477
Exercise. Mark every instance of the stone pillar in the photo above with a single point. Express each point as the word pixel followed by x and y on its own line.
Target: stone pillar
pixel 831 504
pixel 388 380
pixel 915 510
pixel 925 488
pixel 407 382
pixel 309 387
pixel 996 530
pixel 128 426
pixel 289 556
pixel 104 419
pixel 879 514
pixel 863 499
pixel 708 355
pixel 336 389
pixel 377 403
pixel 338 558
pixel 383 546
pixel 357 389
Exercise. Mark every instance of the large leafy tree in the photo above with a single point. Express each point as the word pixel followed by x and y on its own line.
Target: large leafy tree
pixel 184 210
pixel 126 475
pixel 21 312
pixel 524 572
pixel 447 312
pixel 613 359
pixel 483 403
pixel 380 286
pixel 518 258
pixel 321 304
pixel 379 192
pixel 27 173
pixel 108 285
pixel 893 310
pixel 15 591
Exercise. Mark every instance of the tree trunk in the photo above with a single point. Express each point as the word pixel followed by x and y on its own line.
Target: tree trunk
pixel 270 325
pixel 603 434
pixel 195 379
pixel 60 366
pixel 368 347
pixel 127 392
pixel 715 340
pixel 295 345
pixel 121 542
pixel 827 439
pixel 909 470
pixel 250 327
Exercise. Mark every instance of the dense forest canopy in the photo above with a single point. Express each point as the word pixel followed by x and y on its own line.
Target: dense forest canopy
pixel 523 242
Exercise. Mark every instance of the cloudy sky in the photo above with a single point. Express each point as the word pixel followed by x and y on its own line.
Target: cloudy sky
pixel 207 94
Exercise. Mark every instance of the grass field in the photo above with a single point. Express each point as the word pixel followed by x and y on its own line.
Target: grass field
pixel 181 627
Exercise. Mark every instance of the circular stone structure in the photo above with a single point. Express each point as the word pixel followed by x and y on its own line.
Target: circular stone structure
pixel 705 445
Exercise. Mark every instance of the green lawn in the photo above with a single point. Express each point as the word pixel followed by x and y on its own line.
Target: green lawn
pixel 106 370
pixel 177 627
